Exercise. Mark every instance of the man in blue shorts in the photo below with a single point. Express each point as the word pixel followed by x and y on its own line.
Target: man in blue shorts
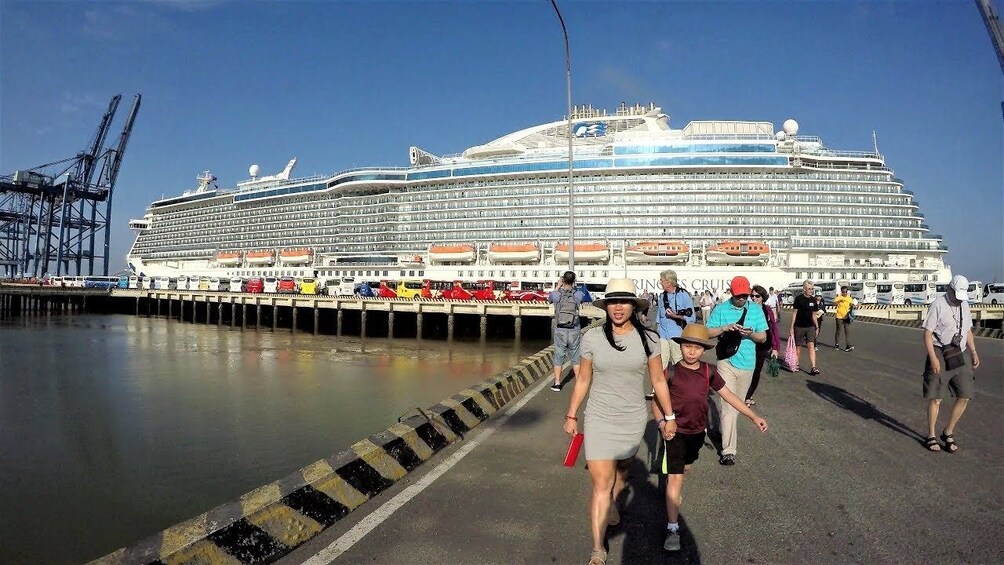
pixel 567 329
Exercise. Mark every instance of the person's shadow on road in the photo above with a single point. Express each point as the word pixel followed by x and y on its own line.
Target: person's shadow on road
pixel 861 407
pixel 643 514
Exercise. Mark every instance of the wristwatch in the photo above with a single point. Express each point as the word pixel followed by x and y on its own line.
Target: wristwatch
pixel 668 417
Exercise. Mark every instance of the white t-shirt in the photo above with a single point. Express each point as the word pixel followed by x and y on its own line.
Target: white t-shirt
pixel 772 301
pixel 942 319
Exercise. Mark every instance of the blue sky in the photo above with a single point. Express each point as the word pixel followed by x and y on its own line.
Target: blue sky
pixel 347 84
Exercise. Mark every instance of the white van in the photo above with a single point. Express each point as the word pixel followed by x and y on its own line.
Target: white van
pixel 271 285
pixel 975 292
pixel 993 293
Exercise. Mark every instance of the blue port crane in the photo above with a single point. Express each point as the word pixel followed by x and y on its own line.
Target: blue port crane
pixel 53 215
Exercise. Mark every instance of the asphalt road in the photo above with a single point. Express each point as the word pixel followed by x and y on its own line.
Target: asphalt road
pixel 840 477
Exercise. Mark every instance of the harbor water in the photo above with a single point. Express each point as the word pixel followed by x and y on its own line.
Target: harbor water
pixel 116 427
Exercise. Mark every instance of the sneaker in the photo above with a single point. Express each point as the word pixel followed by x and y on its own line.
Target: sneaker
pixel 650 395
pixel 849 348
pixel 672 542
pixel 814 371
pixel 556 387
pixel 836 346
pixel 816 347
pixel 728 459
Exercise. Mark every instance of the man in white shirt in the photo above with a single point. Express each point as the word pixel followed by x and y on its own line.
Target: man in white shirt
pixel 949 322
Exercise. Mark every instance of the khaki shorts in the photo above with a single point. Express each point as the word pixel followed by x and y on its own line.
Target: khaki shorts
pixel 960 382
pixel 805 336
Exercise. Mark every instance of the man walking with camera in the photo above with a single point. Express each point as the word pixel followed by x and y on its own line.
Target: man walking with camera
pixel 948 335
pixel 674 310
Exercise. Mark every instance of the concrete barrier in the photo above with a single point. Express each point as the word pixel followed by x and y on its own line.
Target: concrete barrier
pixel 916 323
pixel 272 520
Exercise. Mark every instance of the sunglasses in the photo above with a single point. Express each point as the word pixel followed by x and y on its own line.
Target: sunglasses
pixel 741 296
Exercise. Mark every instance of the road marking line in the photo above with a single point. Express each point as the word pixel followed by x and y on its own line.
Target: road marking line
pixel 378 516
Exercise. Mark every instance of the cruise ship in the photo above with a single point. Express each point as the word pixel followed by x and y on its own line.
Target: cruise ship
pixel 711 201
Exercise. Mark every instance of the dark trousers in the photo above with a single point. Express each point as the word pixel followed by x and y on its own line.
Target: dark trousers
pixel 760 360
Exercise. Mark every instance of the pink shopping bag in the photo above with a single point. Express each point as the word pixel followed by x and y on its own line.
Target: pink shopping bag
pixel 790 354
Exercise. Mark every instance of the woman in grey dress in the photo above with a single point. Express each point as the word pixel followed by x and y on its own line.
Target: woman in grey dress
pixel 620 362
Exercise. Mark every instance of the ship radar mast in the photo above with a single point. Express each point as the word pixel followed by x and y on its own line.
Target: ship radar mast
pixel 204 179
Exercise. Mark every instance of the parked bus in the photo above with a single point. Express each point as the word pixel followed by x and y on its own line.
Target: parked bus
pixel 529 291
pixel 410 288
pixel 146 283
pixel 993 293
pixel 102 282
pixel 865 292
pixel 344 286
pixel 123 282
pixel 271 285
pixel 165 283
pixel 828 289
pixel 919 293
pixel 889 293
pixel 308 285
pixel 236 284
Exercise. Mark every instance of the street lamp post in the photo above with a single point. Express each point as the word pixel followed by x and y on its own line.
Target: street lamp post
pixel 568 87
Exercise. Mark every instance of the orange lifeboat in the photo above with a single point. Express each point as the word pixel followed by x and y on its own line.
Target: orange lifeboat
pixel 738 252
pixel 296 256
pixel 658 252
pixel 457 253
pixel 596 252
pixel 261 257
pixel 514 253
pixel 228 258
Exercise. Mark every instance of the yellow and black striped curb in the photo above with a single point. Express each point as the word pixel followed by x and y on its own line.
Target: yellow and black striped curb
pixel 272 520
pixel 977 331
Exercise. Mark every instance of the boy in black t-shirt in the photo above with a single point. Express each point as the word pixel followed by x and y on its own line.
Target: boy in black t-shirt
pixel 689 381
pixel 805 325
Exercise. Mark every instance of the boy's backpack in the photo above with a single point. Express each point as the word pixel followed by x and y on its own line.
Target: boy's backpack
pixel 566 310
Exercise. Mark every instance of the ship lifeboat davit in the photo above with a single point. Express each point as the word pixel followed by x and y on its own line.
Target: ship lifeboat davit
pixel 228 258
pixel 459 253
pixel 264 257
pixel 584 252
pixel 658 252
pixel 514 253
pixel 741 252
pixel 412 262
pixel 296 256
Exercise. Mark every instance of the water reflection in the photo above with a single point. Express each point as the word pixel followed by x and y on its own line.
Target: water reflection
pixel 115 427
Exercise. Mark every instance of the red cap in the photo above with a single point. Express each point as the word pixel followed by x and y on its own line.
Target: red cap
pixel 739 285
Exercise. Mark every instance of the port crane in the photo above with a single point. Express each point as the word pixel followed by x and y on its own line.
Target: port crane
pixel 993 24
pixel 52 216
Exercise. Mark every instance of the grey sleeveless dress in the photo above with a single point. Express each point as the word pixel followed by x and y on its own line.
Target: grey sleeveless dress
pixel 616 412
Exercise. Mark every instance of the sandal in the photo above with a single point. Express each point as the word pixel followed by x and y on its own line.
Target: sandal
pixel 598 557
pixel 950 445
pixel 932 444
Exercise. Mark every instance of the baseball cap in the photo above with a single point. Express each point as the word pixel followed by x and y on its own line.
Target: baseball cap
pixel 960 285
pixel 739 285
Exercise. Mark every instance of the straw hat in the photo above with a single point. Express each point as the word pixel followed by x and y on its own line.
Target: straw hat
pixel 696 334
pixel 621 289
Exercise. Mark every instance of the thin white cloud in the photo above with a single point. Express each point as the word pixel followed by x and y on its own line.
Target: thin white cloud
pixel 71 102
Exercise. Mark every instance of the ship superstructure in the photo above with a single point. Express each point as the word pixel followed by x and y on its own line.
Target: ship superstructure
pixel 712 200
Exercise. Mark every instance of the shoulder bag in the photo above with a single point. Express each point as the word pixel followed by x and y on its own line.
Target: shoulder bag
pixel 951 352
pixel 728 342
